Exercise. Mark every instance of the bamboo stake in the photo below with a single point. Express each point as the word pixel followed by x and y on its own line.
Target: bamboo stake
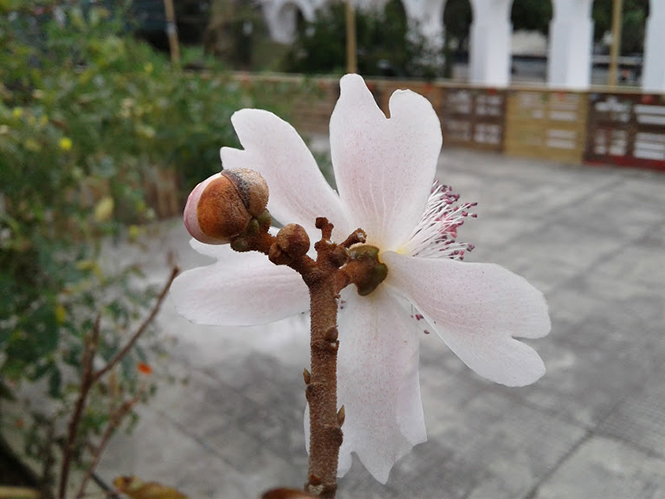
pixel 615 48
pixel 172 31
pixel 351 42
pixel 18 493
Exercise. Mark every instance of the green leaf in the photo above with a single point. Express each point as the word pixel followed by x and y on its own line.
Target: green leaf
pixel 55 384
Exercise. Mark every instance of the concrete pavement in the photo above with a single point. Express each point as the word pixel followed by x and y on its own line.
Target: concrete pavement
pixel 591 238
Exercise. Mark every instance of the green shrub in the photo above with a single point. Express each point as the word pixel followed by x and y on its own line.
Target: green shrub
pixel 88 115
pixel 385 44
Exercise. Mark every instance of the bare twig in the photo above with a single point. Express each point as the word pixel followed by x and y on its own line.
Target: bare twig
pixel 144 325
pixel 87 375
pixel 114 422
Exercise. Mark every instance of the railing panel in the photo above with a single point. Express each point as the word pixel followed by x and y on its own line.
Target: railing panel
pixel 383 89
pixel 312 115
pixel 472 117
pixel 546 124
pixel 626 129
pixel 562 125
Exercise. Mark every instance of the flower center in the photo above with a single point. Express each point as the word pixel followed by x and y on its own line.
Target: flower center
pixel 436 233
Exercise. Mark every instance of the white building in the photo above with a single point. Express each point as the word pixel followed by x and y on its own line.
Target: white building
pixel 569 48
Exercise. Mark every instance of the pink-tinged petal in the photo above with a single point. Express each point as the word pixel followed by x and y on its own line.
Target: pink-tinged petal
pixel 190 214
pixel 378 382
pixel 240 289
pixel 384 168
pixel 477 309
pixel 298 191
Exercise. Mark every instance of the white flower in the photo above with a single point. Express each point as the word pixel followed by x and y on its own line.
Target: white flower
pixel 384 169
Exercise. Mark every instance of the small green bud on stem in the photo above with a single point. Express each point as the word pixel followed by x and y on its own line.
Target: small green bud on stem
pixel 364 268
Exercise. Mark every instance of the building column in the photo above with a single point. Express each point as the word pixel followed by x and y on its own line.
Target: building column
pixel 570 44
pixel 489 61
pixel 653 79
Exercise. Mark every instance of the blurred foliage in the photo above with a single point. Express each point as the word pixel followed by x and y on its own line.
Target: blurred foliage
pixel 237 34
pixel 635 13
pixel 87 112
pixel 386 47
pixel 531 15
pixel 233 32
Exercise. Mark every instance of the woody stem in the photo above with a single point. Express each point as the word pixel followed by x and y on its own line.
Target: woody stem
pixel 324 278
pixel 321 391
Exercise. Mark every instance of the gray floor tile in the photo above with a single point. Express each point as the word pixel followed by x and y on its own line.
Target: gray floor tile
pixel 592 239
pixel 640 418
pixel 606 469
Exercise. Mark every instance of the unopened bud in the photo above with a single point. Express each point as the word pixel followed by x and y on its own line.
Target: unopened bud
pixel 221 207
pixel 293 240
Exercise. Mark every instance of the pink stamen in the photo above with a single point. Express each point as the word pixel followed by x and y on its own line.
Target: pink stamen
pixel 436 233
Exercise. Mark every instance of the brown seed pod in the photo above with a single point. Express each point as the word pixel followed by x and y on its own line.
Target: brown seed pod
pixel 221 207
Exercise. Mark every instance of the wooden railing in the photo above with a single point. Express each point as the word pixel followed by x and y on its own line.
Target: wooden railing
pixel 573 127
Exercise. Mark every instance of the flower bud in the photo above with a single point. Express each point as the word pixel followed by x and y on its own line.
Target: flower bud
pixel 293 240
pixel 221 207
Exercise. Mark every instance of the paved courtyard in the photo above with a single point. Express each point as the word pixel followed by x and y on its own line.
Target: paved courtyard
pixel 591 238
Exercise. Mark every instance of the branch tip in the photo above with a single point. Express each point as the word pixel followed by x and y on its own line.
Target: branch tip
pixel 341 416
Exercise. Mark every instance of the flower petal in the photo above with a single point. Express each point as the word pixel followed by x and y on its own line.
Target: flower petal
pixel 240 289
pixel 384 168
pixel 298 191
pixel 378 382
pixel 477 309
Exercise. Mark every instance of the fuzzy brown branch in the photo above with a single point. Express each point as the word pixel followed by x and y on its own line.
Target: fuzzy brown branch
pixel 325 427
pixel 324 281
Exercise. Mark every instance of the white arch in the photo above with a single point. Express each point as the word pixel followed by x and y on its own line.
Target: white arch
pixel 424 15
pixel 570 44
pixel 654 44
pixel 570 41
pixel 489 58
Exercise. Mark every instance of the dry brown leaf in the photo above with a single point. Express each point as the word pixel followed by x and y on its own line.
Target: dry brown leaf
pixel 134 487
pixel 286 494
